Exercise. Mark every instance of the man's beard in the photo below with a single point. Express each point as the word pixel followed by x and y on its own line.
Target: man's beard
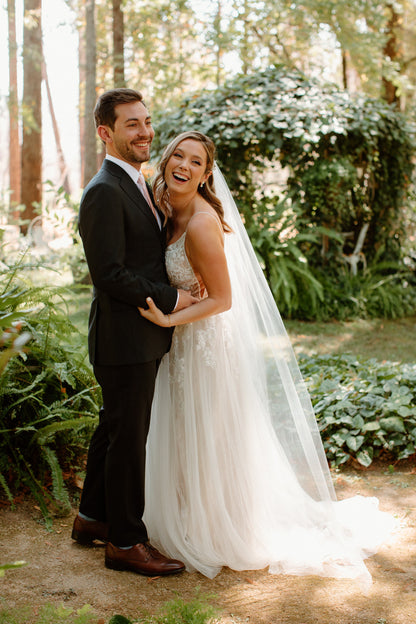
pixel 129 154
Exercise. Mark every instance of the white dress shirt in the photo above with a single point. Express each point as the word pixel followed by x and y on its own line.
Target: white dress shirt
pixel 134 174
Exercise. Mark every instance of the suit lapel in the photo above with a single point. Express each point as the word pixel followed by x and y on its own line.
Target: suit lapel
pixel 132 190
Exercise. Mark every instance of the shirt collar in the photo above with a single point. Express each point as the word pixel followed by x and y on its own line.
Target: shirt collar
pixel 128 168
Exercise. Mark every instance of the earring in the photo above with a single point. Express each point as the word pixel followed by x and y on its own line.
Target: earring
pixel 202 185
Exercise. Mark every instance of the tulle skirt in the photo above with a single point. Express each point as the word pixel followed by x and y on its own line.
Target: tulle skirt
pixel 220 489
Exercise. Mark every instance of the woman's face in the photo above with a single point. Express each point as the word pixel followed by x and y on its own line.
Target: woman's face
pixel 186 168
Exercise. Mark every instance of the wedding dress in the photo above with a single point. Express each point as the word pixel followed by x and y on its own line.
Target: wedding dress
pixel 236 472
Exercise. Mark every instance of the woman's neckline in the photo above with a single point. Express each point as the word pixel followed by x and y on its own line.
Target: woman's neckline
pixel 177 240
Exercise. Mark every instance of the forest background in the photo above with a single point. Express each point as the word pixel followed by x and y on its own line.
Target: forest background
pixel 312 107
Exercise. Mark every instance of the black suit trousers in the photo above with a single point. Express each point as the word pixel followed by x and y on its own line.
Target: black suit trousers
pixel 114 486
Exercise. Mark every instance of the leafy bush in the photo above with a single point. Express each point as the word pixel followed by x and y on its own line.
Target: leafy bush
pixel 382 289
pixel 349 158
pixel 48 614
pixel 274 233
pixel 48 395
pixel 349 162
pixel 197 611
pixel 365 409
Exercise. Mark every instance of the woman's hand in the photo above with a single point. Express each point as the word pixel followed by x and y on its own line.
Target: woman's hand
pixel 155 315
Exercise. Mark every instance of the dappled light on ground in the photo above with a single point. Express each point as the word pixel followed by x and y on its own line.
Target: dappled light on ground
pixel 60 571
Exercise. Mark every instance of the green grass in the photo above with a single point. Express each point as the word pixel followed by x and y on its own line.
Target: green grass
pixel 197 611
pixel 48 614
pixel 382 339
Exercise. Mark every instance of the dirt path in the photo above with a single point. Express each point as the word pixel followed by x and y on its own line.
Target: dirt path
pixel 60 571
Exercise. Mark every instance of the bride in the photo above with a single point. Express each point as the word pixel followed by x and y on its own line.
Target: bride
pixel 236 471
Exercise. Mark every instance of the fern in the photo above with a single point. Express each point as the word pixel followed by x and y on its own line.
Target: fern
pixel 49 398
pixel 59 491
pixel 6 488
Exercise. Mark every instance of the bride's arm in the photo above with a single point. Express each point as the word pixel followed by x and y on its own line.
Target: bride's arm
pixel 205 250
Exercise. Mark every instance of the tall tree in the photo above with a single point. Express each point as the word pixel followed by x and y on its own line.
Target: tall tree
pixel 393 53
pixel 14 143
pixel 164 50
pixel 31 187
pixel 218 36
pixel 79 12
pixel 118 44
pixel 64 181
pixel 407 86
pixel 81 93
pixel 90 141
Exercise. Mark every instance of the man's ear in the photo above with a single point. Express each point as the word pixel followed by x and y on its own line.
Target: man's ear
pixel 103 133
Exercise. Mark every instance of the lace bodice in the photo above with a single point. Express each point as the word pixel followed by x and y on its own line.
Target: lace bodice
pixel 200 334
pixel 180 272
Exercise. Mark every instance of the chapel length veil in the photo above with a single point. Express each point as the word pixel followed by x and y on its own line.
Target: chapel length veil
pixel 271 357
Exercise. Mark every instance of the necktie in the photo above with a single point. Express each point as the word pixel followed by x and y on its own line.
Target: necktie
pixel 143 188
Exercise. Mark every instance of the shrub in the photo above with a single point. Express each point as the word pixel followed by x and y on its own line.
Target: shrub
pixel 48 614
pixel 349 162
pixel 48 395
pixel 365 409
pixel 197 611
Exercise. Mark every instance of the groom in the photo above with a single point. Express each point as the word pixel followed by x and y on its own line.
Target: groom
pixel 124 242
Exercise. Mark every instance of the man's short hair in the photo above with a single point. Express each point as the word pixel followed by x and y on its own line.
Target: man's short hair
pixel 104 111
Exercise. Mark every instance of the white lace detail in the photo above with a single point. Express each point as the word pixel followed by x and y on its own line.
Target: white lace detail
pixel 182 275
pixel 179 269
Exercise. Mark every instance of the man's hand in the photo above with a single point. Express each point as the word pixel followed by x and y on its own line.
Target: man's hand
pixel 185 299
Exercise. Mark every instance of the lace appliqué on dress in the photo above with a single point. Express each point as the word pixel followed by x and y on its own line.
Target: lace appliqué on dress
pixel 181 275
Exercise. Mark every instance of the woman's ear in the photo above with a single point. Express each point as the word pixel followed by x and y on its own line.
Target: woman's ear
pixel 206 176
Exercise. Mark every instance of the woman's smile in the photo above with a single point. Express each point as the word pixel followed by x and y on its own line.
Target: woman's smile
pixel 187 166
pixel 180 177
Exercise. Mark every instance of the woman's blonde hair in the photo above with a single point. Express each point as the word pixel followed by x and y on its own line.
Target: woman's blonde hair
pixel 160 189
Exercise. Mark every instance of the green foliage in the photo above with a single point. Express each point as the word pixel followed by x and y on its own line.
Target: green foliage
pixel 275 236
pixel 48 614
pixel 365 409
pixel 197 611
pixel 11 566
pixel 48 395
pixel 349 158
pixel 383 289
pixel 349 163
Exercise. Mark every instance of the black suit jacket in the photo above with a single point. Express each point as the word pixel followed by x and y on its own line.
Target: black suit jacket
pixel 125 248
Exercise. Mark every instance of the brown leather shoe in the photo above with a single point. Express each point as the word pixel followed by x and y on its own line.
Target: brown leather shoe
pixel 86 531
pixel 142 559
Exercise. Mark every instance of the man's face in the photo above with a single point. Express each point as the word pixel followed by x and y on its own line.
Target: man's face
pixel 132 135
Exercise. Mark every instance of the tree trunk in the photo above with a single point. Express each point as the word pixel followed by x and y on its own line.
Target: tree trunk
pixel 82 72
pixel 393 51
pixel 350 77
pixel 218 36
pixel 244 52
pixel 31 188
pixel 64 182
pixel 90 141
pixel 345 69
pixel 14 143
pixel 118 44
